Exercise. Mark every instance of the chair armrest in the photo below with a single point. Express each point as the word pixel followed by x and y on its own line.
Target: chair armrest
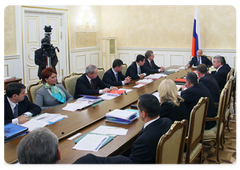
pixel 212 118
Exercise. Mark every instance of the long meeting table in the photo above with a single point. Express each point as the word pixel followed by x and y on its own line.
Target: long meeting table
pixel 88 119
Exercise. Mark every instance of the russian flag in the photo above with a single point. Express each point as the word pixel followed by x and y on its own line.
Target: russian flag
pixel 196 43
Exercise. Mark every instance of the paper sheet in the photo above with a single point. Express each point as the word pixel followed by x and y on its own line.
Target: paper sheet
pixel 110 130
pixel 91 142
pixel 138 86
pixel 33 124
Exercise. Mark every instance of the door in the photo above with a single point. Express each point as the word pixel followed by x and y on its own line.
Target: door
pixel 33 32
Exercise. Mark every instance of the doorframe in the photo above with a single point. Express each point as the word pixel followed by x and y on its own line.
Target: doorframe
pixel 19 14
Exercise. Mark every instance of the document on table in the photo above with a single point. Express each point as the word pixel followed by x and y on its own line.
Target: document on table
pixel 91 142
pixel 138 86
pixel 109 96
pixel 50 118
pixel 77 105
pixel 33 124
pixel 127 90
pixel 110 130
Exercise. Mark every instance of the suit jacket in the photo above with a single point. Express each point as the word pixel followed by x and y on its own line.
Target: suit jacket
pixel 153 69
pixel 205 61
pixel 143 150
pixel 41 61
pixel 227 67
pixel 23 106
pixel 84 87
pixel 212 86
pixel 191 97
pixel 132 71
pixel 45 100
pixel 110 78
pixel 220 76
pixel 173 112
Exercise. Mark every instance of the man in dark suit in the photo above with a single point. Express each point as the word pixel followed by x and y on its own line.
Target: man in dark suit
pixel 192 95
pixel 90 84
pixel 114 75
pixel 221 73
pixel 137 69
pixel 208 80
pixel 150 64
pixel 41 58
pixel 144 148
pixel 17 107
pixel 200 59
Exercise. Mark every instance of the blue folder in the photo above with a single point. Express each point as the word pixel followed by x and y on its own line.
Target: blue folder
pixel 12 130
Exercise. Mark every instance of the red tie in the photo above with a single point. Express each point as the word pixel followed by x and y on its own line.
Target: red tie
pixel 91 84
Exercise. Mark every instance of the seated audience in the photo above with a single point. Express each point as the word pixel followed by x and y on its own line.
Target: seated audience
pixel 17 107
pixel 114 75
pixel 51 94
pixel 150 64
pixel 192 95
pixel 172 105
pixel 38 147
pixel 207 79
pixel 144 148
pixel 137 69
pixel 200 59
pixel 90 84
pixel 221 73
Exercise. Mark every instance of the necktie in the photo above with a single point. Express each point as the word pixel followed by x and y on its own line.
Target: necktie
pixel 151 64
pixel 91 84
pixel 198 60
pixel 116 75
pixel 139 70
pixel 15 111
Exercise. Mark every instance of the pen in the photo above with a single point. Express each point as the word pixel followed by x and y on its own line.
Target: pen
pixel 100 144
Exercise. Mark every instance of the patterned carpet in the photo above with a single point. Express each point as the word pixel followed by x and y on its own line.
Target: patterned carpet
pixel 228 154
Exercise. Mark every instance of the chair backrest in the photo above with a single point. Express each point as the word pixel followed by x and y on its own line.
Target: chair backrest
pixel 101 72
pixel 69 82
pixel 230 73
pixel 124 69
pixel 32 90
pixel 171 145
pixel 196 125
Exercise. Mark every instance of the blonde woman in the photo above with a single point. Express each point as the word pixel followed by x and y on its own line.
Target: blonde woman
pixel 172 105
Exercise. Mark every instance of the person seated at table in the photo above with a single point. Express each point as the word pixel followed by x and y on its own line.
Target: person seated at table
pixel 90 84
pixel 114 75
pixel 51 94
pixel 137 69
pixel 193 92
pixel 144 148
pixel 150 64
pixel 172 105
pixel 38 147
pixel 200 59
pixel 17 107
pixel 207 79
pixel 221 73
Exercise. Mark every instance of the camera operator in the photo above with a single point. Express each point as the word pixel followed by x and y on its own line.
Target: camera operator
pixel 46 55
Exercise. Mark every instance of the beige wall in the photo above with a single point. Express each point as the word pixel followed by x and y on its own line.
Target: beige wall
pixel 144 26
pixel 10 47
pixel 169 26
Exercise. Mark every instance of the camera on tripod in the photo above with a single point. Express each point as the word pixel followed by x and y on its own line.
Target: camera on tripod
pixel 47 47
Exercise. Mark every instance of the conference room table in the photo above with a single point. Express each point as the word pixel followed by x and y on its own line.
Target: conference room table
pixel 86 120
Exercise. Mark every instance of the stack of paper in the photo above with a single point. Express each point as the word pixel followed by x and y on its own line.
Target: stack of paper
pixel 110 130
pixel 121 116
pixel 155 76
pixel 43 120
pixel 144 81
pixel 138 86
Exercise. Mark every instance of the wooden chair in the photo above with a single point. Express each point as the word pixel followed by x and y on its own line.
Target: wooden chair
pixel 228 102
pixel 101 72
pixel 230 73
pixel 234 92
pixel 32 90
pixel 124 69
pixel 69 82
pixel 171 144
pixel 216 133
pixel 195 131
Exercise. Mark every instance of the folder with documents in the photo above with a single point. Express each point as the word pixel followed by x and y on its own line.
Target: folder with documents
pixel 121 116
pixel 11 131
